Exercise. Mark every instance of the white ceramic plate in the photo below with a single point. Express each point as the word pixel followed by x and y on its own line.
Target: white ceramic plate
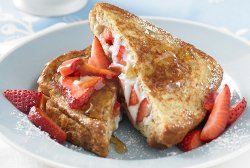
pixel 21 67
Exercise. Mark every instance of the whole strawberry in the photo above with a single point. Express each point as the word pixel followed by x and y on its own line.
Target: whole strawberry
pixel 23 100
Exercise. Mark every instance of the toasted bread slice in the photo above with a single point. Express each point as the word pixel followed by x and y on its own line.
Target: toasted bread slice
pixel 91 126
pixel 172 75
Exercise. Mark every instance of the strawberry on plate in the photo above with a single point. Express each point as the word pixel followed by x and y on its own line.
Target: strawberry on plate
pixel 116 109
pixel 133 97
pixel 209 101
pixel 98 57
pixel 39 119
pixel 218 117
pixel 191 141
pixel 23 100
pixel 70 66
pixel 143 111
pixel 107 35
pixel 236 111
pixel 87 69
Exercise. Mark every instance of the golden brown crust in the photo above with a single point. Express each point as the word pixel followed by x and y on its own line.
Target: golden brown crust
pixel 175 75
pixel 91 126
pixel 90 135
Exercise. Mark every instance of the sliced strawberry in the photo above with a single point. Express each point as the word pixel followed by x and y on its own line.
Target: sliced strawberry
pixel 115 69
pixel 133 97
pixel 236 111
pixel 116 109
pixel 76 103
pixel 79 87
pixel 23 100
pixel 107 35
pixel 70 66
pixel 40 120
pixel 217 120
pixel 67 81
pixel 79 99
pixel 98 57
pixel 120 56
pixel 87 69
pixel 209 100
pixel 191 141
pixel 77 92
pixel 144 111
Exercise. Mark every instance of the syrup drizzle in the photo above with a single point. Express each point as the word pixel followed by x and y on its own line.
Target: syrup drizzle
pixel 120 147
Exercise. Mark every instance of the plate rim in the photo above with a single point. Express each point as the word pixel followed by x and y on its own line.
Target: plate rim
pixel 66 26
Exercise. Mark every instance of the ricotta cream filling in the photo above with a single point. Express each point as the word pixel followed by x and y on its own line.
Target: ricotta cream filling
pixel 127 83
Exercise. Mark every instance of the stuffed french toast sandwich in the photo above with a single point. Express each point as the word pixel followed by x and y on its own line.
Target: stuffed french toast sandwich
pixel 164 80
pixel 167 88
pixel 82 103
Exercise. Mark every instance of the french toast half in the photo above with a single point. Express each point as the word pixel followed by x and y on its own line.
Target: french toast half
pixel 92 125
pixel 164 79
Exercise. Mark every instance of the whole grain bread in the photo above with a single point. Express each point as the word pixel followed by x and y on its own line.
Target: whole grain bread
pixel 90 127
pixel 175 75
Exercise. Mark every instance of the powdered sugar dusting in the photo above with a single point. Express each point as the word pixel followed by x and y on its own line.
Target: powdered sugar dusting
pixel 231 140
pixel 25 127
pixel 74 147
pixel 137 145
pixel 236 136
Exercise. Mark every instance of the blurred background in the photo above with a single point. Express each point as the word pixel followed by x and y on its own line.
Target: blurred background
pixel 230 15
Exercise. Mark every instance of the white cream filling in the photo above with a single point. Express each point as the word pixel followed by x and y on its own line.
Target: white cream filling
pixel 133 109
pixel 128 83
pixel 117 120
pixel 114 49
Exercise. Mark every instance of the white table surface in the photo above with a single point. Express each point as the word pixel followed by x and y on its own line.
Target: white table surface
pixel 218 14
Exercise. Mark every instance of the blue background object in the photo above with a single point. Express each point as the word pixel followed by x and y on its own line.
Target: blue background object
pixel 230 15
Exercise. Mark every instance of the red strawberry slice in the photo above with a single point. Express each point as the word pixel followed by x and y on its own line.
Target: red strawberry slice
pixel 133 97
pixel 115 69
pixel 23 100
pixel 40 120
pixel 236 111
pixel 67 81
pixel 79 87
pixel 98 57
pixel 87 69
pixel 77 100
pixel 209 100
pixel 218 118
pixel 120 56
pixel 70 66
pixel 191 141
pixel 144 111
pixel 107 35
pixel 76 92
pixel 116 109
